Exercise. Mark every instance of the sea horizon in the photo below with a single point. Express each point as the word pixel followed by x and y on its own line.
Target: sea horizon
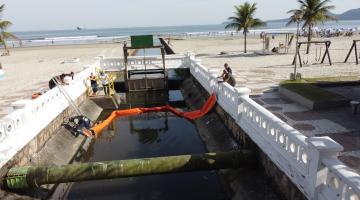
pixel 171 30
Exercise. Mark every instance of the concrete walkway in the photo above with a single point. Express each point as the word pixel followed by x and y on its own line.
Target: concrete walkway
pixel 338 123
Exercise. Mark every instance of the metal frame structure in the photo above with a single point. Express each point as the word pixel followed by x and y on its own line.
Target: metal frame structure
pixel 354 46
pixel 127 74
pixel 288 39
pixel 327 46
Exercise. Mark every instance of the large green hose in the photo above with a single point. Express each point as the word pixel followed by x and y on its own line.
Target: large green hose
pixel 26 177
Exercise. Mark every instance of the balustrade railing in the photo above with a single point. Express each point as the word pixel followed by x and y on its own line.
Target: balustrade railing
pixel 311 163
pixel 138 62
pixel 31 116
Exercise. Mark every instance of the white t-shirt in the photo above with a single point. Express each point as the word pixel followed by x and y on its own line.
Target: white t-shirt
pixel 104 79
pixel 67 79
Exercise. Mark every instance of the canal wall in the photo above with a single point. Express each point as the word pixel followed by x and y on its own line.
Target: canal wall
pixel 32 134
pixel 218 136
pixel 301 167
pixel 277 180
pixel 311 163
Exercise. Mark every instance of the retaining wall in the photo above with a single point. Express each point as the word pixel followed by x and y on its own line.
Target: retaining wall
pixel 282 184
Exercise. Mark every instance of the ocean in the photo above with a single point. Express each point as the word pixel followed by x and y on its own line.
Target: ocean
pixel 88 36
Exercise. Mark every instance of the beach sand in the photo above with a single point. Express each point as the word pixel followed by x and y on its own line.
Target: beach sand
pixel 28 70
pixel 261 73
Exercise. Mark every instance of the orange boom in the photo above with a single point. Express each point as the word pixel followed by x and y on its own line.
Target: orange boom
pixel 192 115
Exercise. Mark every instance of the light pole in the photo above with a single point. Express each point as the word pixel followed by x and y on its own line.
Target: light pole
pixel 298 17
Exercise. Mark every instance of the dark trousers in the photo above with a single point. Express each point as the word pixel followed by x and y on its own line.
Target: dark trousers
pixel 106 89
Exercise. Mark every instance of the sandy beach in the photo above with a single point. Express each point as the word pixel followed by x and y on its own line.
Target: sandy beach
pixel 28 70
pixel 260 73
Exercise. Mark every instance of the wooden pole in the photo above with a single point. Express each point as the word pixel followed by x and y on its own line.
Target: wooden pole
pixel 164 68
pixel 126 76
pixel 351 49
pixel 356 53
pixel 298 55
pixel 328 46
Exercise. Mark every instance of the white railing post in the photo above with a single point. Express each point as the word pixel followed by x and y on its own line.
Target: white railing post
pixel 241 92
pixel 319 148
pixel 213 80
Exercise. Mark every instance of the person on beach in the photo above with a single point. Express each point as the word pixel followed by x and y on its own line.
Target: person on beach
pixel 93 83
pixel 105 82
pixel 60 79
pixel 226 76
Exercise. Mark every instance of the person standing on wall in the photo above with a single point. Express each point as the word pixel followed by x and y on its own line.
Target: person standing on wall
pixel 93 83
pixel 105 82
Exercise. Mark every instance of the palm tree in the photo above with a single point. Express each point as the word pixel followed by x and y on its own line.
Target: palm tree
pixel 244 19
pixel 313 11
pixel 4 35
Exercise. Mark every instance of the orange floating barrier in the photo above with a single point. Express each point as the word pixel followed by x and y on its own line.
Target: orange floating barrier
pixel 191 115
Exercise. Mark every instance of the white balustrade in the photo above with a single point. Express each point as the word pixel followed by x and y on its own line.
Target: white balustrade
pixel 340 182
pixel 31 116
pixel 137 62
pixel 311 163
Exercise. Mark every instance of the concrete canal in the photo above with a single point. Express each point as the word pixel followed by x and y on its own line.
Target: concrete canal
pixel 150 135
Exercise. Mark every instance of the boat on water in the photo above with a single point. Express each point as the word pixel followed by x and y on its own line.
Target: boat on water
pixel 79 28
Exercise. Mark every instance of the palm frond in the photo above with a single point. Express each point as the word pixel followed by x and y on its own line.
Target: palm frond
pixel 2 8
pixel 244 17
pixel 4 24
pixel 314 11
pixel 7 35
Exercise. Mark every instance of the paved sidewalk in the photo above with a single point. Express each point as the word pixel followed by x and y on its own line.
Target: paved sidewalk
pixel 338 123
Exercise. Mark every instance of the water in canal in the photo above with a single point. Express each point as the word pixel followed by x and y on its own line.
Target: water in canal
pixel 150 135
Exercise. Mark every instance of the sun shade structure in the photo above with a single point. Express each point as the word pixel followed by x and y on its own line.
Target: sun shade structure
pixel 144 79
pixel 191 115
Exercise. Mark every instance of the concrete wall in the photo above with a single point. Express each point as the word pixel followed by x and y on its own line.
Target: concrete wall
pixel 282 184
pixel 54 145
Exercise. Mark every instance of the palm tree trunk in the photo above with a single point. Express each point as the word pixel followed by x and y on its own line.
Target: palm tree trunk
pixel 245 41
pixel 5 46
pixel 309 39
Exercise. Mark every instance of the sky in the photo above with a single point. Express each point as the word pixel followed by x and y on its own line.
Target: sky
pixel 29 15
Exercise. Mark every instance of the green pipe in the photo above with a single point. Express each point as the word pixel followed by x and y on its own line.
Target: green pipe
pixel 27 177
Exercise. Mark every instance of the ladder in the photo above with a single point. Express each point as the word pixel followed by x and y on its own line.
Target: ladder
pixel 57 82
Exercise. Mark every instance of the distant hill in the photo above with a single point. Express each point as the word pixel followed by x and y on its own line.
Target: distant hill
pixel 353 14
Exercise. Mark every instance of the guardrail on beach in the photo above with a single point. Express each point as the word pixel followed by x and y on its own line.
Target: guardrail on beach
pixel 30 117
pixel 310 162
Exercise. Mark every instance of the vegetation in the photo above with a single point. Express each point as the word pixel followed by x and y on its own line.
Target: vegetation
pixel 337 79
pixel 310 91
pixel 313 11
pixel 4 35
pixel 244 19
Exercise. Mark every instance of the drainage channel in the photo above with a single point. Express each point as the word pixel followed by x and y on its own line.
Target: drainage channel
pixel 150 135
